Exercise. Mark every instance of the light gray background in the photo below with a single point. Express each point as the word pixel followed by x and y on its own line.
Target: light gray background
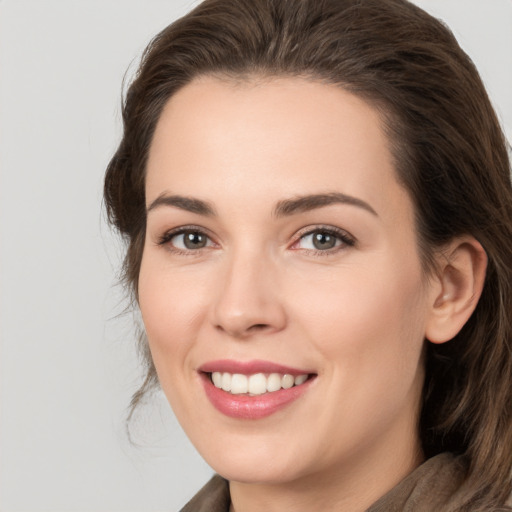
pixel 67 361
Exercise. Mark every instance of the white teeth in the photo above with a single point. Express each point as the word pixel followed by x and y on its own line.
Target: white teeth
pixel 255 384
pixel 288 381
pixel 300 379
pixel 217 379
pixel 239 384
pixel 226 382
pixel 273 382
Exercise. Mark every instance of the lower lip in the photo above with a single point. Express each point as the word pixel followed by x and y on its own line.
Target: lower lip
pixel 252 407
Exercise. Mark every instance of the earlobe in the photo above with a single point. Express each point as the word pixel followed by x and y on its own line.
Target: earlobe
pixel 456 289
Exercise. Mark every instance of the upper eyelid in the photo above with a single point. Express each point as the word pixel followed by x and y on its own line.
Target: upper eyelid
pixel 188 227
pixel 321 227
pixel 330 229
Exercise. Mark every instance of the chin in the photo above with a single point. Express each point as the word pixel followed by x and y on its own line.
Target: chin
pixel 255 471
pixel 259 461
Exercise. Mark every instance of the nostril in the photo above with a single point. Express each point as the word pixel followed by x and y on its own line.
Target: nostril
pixel 244 332
pixel 258 327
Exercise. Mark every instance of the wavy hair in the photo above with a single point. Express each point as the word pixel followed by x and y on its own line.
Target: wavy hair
pixel 450 155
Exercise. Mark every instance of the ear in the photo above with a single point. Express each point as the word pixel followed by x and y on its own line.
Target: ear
pixel 456 288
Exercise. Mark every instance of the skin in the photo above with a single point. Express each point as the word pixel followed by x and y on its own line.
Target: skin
pixel 356 315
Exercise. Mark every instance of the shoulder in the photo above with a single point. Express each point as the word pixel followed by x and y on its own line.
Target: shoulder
pixel 437 485
pixel 213 497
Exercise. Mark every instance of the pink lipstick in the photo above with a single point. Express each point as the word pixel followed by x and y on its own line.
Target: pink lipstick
pixel 252 389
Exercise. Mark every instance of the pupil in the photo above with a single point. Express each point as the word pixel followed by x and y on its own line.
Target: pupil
pixel 194 240
pixel 324 241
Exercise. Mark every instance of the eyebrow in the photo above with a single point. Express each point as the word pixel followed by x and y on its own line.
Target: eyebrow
pixel 190 204
pixel 311 202
pixel 283 208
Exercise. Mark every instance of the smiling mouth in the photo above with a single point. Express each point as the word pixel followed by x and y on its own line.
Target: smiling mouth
pixel 257 383
pixel 253 390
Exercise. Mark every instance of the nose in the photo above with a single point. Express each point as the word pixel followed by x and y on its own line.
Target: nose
pixel 248 301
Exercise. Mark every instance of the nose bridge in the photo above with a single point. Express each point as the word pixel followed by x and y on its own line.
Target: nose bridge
pixel 248 299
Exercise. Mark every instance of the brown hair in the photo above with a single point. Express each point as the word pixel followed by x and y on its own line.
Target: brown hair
pixel 449 151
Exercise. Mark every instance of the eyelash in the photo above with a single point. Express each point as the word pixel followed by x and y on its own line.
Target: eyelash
pixel 345 238
pixel 166 238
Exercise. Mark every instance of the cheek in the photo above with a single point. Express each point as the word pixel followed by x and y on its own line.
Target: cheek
pixel 172 303
pixel 368 327
pixel 172 307
pixel 369 323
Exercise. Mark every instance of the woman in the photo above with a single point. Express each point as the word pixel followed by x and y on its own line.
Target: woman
pixel 317 203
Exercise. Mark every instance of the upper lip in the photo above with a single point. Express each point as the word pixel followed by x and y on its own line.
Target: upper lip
pixel 250 367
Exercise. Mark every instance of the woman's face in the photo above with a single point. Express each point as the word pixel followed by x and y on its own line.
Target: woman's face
pixel 279 242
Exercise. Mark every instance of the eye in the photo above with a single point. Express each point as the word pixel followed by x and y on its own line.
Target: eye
pixel 324 239
pixel 186 240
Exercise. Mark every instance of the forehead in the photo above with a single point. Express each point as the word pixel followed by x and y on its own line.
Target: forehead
pixel 270 138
